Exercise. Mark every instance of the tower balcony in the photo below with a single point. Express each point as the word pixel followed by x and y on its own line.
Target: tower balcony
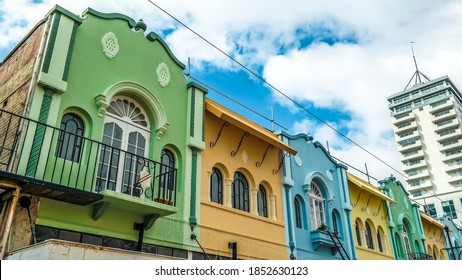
pixel 441 106
pixel 412 155
pixel 403 119
pixel 455 178
pixel 451 145
pixel 405 127
pixel 444 115
pixel 409 167
pixel 452 155
pixel 56 164
pixel 423 184
pixel 444 125
pixel 454 166
pixel 421 175
pixel 408 135
pixel 410 146
pixel 449 134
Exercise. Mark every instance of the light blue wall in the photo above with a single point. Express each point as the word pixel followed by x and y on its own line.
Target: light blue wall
pixel 313 162
pixel 455 235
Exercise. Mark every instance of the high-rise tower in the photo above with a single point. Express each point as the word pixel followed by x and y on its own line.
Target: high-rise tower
pixel 427 122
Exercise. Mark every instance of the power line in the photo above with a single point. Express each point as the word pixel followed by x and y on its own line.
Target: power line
pixel 237 102
pixel 256 75
pixel 276 89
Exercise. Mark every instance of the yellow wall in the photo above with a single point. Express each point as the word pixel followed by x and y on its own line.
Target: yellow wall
pixel 434 232
pixel 257 237
pixel 376 220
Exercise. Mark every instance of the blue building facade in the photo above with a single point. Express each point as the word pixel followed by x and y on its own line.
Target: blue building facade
pixel 453 238
pixel 316 202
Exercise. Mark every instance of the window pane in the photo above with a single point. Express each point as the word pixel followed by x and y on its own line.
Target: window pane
pixel 70 139
pixel 240 192
pixel 297 210
pixel 216 186
pixel 448 208
pixel 262 202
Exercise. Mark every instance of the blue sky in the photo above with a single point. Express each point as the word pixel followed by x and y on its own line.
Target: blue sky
pixel 340 59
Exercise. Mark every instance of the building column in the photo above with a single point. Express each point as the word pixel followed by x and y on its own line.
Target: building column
pixel 207 191
pixel 253 201
pixel 192 213
pixel 228 192
pixel 40 131
pixel 272 204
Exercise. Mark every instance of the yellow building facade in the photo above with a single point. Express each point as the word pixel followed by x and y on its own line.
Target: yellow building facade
pixel 241 198
pixel 369 220
pixel 434 232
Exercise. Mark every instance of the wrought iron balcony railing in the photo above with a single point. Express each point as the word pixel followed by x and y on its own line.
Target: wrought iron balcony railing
pixel 47 156
pixel 419 256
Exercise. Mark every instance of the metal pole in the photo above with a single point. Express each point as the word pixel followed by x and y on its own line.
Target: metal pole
pixel 446 229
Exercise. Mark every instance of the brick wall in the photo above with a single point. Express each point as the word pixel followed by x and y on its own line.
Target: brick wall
pixel 15 78
pixel 16 72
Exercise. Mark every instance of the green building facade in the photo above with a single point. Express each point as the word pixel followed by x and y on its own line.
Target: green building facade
pixel 114 136
pixel 405 225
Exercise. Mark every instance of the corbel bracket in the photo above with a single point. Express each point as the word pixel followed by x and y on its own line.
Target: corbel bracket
pixel 259 163
pixel 212 144
pixel 281 163
pixel 233 153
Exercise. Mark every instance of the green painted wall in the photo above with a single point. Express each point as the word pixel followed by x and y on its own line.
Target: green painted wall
pixel 87 74
pixel 401 214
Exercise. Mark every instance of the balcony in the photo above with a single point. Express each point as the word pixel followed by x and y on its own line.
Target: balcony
pixel 420 175
pixel 52 163
pixel 412 155
pixel 449 135
pixel 441 106
pixel 405 127
pixel 451 145
pixel 321 238
pixel 456 165
pixel 453 155
pixel 448 124
pixel 455 178
pixel 410 146
pixel 405 118
pixel 418 256
pixel 409 167
pixel 423 184
pixel 408 135
pixel 444 115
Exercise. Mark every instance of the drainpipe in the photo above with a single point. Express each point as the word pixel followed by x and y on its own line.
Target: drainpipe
pixel 9 220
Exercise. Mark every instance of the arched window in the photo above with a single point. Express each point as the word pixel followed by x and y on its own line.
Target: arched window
pixel 216 186
pixel 70 141
pixel 337 223
pixel 298 213
pixel 368 234
pixel 379 239
pixel 407 245
pixel 358 233
pixel 262 202
pixel 125 145
pixel 240 192
pixel 317 211
pixel 167 170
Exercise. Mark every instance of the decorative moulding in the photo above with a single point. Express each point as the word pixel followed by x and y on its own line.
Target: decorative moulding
pixel 110 45
pixel 298 161
pixel 163 75
pixel 103 99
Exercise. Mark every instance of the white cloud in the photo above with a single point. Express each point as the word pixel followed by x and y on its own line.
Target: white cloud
pixel 354 78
